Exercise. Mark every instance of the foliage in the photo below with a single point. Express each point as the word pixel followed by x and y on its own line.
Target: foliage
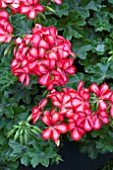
pixel 107 166
pixel 88 25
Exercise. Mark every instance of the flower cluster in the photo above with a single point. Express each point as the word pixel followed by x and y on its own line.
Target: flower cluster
pixel 5 27
pixel 44 54
pixel 28 7
pixel 78 111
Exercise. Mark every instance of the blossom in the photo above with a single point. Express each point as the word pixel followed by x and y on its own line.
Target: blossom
pixel 76 131
pixel 37 110
pixel 99 117
pixel 28 7
pixel 6 28
pixel 55 127
pixel 44 54
pixel 75 111
pixel 61 100
pixel 103 93
pixel 84 120
pixel 81 100
pixel 31 8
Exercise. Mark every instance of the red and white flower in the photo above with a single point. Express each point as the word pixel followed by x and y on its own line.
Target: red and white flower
pixel 45 54
pixel 102 94
pixel 55 127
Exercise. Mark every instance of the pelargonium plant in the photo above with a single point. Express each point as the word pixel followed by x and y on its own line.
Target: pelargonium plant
pixel 42 91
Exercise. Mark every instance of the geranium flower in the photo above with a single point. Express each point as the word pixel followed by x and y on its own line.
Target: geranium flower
pixel 99 117
pixel 46 55
pixel 55 127
pixel 6 28
pixel 81 100
pixel 103 93
pixel 31 8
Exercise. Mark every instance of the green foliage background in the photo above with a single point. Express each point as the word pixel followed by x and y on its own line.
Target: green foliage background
pixel 88 24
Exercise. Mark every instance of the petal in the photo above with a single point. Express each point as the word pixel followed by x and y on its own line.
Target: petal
pixel 111 110
pixel 69 113
pixel 55 134
pixel 52 55
pixel 105 120
pixel 4 14
pixel 41 52
pixel 111 98
pixel 33 65
pixel 55 117
pixel 46 134
pixel 35 114
pixel 24 9
pixel 53 31
pixel 32 14
pixel 97 124
pixel 94 88
pixel 27 80
pixel 104 88
pixel 80 85
pixel 71 126
pixel 57 142
pixel 22 78
pixel 103 113
pixel 33 52
pixel 44 80
pixel 46 119
pixel 42 69
pixel 39 8
pixel 102 105
pixel 36 39
pixel 43 44
pixel 50 40
pixel 76 135
pixel 61 127
pixel 87 125
pixel 76 102
pixel 71 70
pixel 43 103
pixel 66 99
pixel 63 75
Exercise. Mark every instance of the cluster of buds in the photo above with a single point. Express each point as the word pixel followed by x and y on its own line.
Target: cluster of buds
pixel 5 27
pixel 28 7
pixel 44 54
pixel 74 111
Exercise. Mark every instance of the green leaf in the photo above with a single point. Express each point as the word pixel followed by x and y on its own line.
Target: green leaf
pixel 73 81
pixel 100 71
pixel 91 5
pixel 61 10
pixel 71 25
pixel 9 112
pixel 17 149
pixel 21 93
pixel 100 48
pixel 110 1
pixel 36 157
pixel 89 147
pixel 81 51
pixel 25 160
pixel 21 24
pixel 101 22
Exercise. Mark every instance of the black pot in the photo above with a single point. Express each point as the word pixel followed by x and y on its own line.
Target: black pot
pixel 74 160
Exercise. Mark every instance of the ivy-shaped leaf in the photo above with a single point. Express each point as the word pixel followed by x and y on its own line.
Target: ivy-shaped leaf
pixel 100 71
